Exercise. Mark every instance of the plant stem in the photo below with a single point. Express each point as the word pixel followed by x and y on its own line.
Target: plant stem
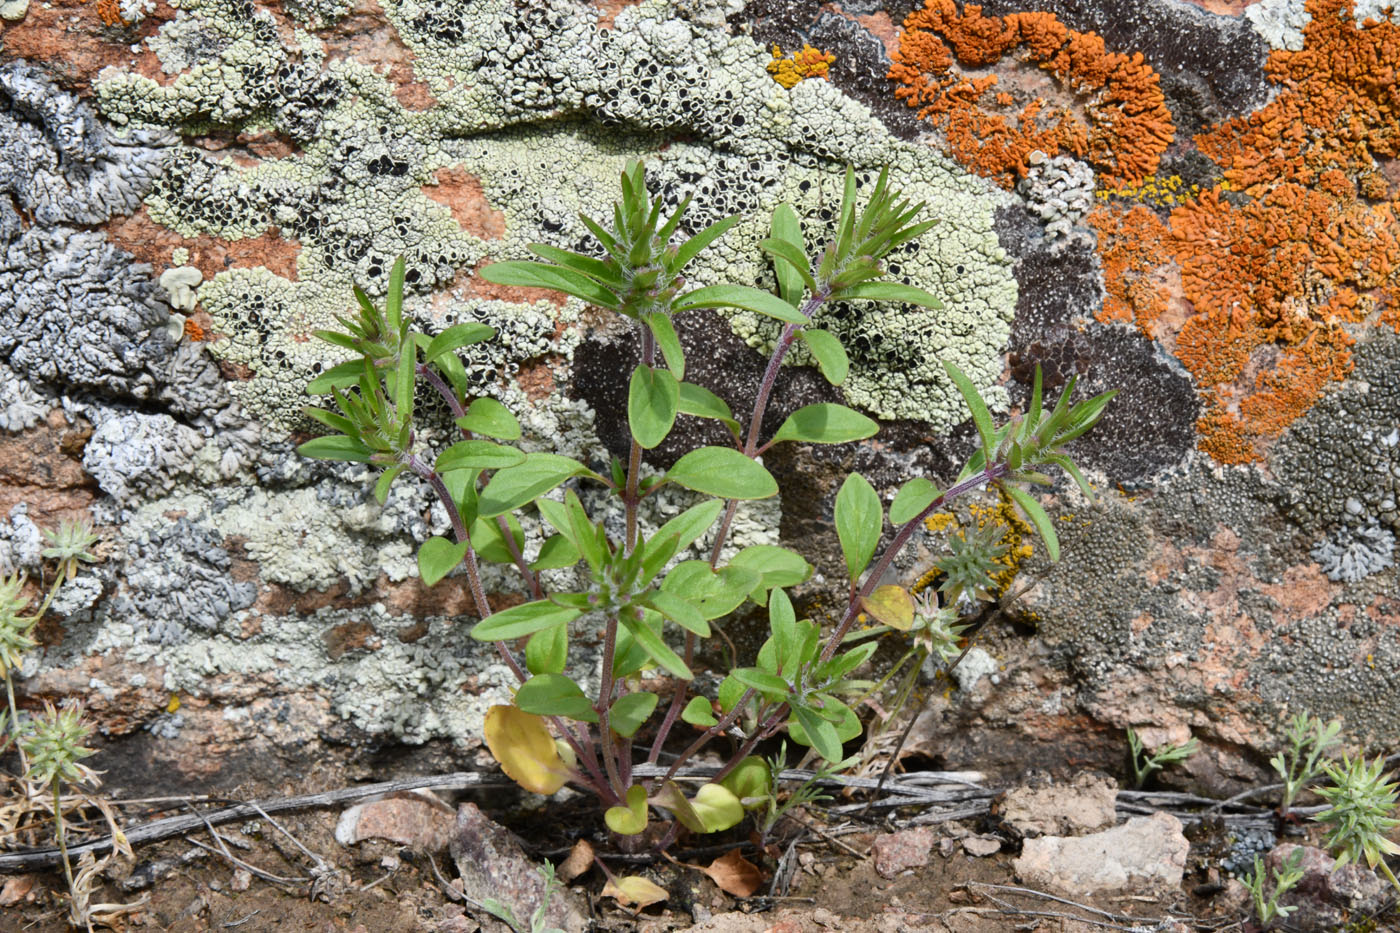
pixel 906 531
pixel 729 719
pixel 602 707
pixel 60 836
pixel 630 498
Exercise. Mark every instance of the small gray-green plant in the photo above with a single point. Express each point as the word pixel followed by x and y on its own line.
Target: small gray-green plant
pixel 1309 743
pixel 503 913
pixel 647 607
pixel 1266 905
pixel 54 743
pixel 1145 765
pixel 1360 814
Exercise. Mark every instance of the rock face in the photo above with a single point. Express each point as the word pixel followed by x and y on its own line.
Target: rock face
pixel 493 865
pixel 1144 854
pixel 245 163
pixel 1084 805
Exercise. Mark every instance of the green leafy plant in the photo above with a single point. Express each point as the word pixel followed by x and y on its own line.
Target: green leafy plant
pixel 648 599
pixel 1309 742
pixel 1144 765
pixel 1360 813
pixel 1266 905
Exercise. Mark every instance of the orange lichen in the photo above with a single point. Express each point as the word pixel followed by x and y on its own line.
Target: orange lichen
pixel 1131 247
pixel 1308 248
pixel 111 12
pixel 1113 115
pixel 808 63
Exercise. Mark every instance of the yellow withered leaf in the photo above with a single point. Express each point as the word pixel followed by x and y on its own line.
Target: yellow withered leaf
pixel 525 750
pixel 635 890
pixel 891 605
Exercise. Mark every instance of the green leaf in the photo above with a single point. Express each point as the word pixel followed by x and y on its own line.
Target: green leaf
pixel 692 247
pixel 554 695
pixel 723 472
pixel 556 552
pixel 714 592
pixel 631 819
pixel 827 351
pixel 490 542
pixel 741 296
pixel 980 416
pixel 717 807
pixel 488 416
pixel 630 711
pixel 456 337
pixel 478 455
pixel 437 557
pixel 651 404
pixel 386 479
pixel 664 332
pixel 547 651
pixel 588 265
pixel 1037 516
pixel 825 423
pixel 393 298
pixel 698 712
pixel 785 227
pixel 692 523
pixel 540 275
pixel 859 521
pixel 816 732
pixel 913 497
pixel 770 685
pixel 656 648
pixel 514 486
pixel 522 620
pixel 680 611
pixel 791 268
pixel 341 376
pixel 339 448
pixel 751 781
pixel 702 403
pixel 776 566
pixel 888 291
pixel 780 609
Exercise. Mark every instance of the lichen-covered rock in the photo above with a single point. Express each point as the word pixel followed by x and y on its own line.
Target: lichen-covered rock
pixel 178 582
pixel 76 311
pixel 59 162
pixel 138 455
pixel 1351 554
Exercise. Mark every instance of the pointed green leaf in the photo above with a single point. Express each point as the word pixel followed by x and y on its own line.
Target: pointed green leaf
pixel 656 648
pixel 588 265
pixel 723 472
pixel 393 298
pixel 386 479
pixel 859 521
pixel 489 540
pixel 437 557
pixel 980 416
pixel 740 296
pixel 771 686
pixel 913 497
pixel 522 620
pixel 341 376
pixel 714 592
pixel 888 291
pixel 339 447
pixel 456 337
pixel 827 351
pixel 791 268
pixel 651 404
pixel 664 332
pixel 540 275
pixel 1037 516
pixel 692 247
pixel 825 423
pixel 692 523
pixel 818 733
pixel 515 486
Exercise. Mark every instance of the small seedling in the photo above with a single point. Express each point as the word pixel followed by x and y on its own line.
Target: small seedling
pixel 504 914
pixel 1145 765
pixel 1360 814
pixel 1266 906
pixel 1309 741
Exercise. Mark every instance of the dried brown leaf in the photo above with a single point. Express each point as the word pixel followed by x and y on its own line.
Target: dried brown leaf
pixel 579 861
pixel 735 874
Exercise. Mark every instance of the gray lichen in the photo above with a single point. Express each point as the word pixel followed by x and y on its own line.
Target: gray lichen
pixel 1351 553
pixel 59 162
pixel 177 581
pixel 1059 190
pixel 136 455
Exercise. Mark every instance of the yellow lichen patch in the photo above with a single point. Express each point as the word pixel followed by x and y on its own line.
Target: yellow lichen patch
pixel 807 63
pixel 1012 533
pixel 1155 191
